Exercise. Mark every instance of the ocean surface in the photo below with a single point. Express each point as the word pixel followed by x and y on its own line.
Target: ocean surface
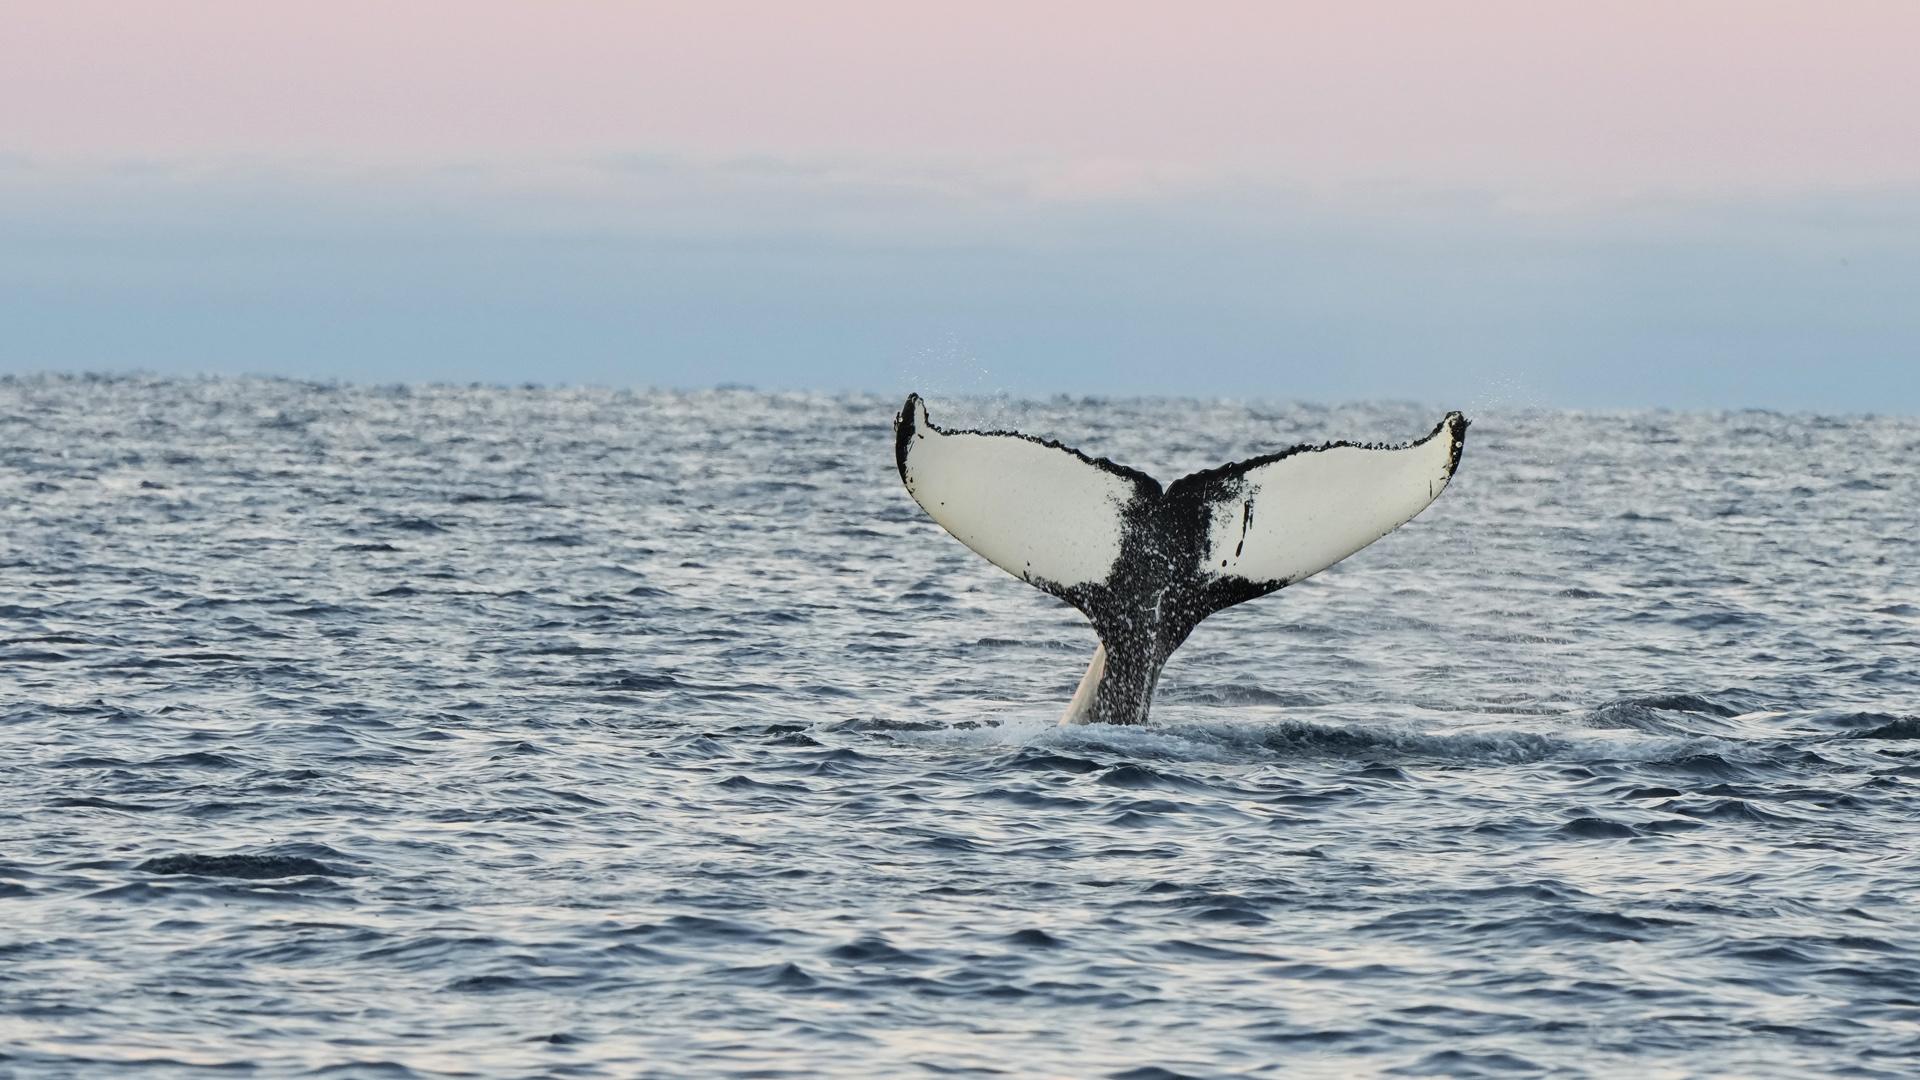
pixel 387 732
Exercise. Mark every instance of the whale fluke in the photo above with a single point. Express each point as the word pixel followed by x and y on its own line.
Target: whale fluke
pixel 1146 564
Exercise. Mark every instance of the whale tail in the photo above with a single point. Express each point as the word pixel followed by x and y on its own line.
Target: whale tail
pixel 1145 563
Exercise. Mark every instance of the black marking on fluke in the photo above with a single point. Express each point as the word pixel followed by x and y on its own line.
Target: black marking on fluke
pixel 904 430
pixel 1158 591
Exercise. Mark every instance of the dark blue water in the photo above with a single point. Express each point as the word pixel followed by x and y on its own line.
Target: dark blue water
pixel 451 732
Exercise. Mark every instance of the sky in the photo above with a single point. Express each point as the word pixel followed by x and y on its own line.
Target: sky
pixel 1688 203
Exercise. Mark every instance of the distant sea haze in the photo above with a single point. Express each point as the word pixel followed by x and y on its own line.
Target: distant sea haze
pixel 694 272
pixel 421 730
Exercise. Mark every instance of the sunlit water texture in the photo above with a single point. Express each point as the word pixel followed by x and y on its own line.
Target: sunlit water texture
pixel 485 731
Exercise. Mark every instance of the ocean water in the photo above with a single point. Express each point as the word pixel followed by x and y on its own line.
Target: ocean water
pixel 390 732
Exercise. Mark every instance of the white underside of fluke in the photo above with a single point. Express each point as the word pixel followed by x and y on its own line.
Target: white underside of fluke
pixel 1031 509
pixel 1303 513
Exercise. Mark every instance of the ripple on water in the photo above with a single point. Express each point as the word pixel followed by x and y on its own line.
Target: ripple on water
pixel 370 731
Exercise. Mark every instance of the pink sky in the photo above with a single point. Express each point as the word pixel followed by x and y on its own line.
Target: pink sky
pixel 1672 94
